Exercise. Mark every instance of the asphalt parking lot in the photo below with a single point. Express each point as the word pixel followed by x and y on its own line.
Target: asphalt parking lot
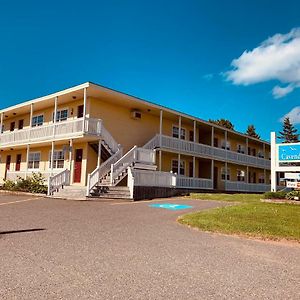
pixel 58 249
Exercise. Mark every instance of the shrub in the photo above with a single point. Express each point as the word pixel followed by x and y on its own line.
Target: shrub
pixel 291 195
pixel 275 195
pixel 33 184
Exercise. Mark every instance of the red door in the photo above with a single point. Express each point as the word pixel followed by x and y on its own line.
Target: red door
pixel 18 162
pixel 78 163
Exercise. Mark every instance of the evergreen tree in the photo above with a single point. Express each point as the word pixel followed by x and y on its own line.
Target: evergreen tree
pixel 222 122
pixel 251 131
pixel 289 133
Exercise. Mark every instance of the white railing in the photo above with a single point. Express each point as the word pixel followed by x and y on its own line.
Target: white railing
pixel 110 141
pixel 62 129
pixel 193 183
pixel 153 178
pixel 134 155
pixel 238 186
pixel 58 181
pixel 202 150
pixel 104 169
pixel 14 175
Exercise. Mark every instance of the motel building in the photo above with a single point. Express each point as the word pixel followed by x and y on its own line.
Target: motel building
pixel 89 140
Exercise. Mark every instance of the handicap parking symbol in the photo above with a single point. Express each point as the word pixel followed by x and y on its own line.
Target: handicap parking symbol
pixel 170 206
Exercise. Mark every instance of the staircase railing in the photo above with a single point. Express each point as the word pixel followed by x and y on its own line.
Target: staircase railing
pixel 109 140
pixel 58 180
pixel 124 162
pixel 102 170
pixel 154 142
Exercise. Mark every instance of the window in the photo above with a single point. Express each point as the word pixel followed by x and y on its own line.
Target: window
pixel 192 136
pixel 37 120
pixel 225 175
pixel 175 166
pixel 240 175
pixel 175 132
pixel 261 178
pixel 61 115
pixel 58 159
pixel 240 149
pixel 34 160
pixel 12 126
pixel 216 142
pixel 225 145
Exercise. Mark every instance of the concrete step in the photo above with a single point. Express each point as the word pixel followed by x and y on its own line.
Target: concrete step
pixel 71 192
pixel 111 192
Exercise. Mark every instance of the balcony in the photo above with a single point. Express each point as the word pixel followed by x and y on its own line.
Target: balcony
pixel 206 151
pixel 54 131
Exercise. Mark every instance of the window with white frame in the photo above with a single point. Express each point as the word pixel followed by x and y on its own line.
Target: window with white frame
pixel 225 145
pixel 58 159
pixel 181 167
pixel 240 149
pixel 225 174
pixel 175 132
pixel 34 159
pixel 261 178
pixel 61 115
pixel 240 175
pixel 37 120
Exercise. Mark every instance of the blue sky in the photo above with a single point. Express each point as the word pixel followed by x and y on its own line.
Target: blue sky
pixel 174 53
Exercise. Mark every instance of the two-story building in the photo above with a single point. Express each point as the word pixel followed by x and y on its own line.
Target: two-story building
pixel 96 138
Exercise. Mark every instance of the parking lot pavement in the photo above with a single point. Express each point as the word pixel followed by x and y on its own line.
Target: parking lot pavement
pixel 56 249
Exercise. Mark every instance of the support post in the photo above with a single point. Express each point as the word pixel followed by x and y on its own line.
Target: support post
pixel 99 154
pixel 30 120
pixel 160 126
pixel 194 166
pixel 212 172
pixel 1 123
pixel 52 157
pixel 247 145
pixel 273 162
pixel 84 109
pixel 160 160
pixel 55 115
pixel 226 173
pixel 178 166
pixel 70 160
pixel 179 127
pixel 213 135
pixel 247 175
pixel 27 158
pixel 195 129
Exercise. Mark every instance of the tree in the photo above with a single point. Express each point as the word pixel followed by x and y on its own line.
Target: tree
pixel 222 122
pixel 289 133
pixel 251 131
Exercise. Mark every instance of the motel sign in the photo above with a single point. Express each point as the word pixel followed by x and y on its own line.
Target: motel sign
pixel 280 155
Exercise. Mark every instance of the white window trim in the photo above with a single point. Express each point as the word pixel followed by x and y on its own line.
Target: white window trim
pixel 182 128
pixel 58 110
pixel 181 160
pixel 49 165
pixel 34 169
pixel 37 115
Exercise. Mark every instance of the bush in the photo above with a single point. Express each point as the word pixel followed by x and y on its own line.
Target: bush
pixel 291 195
pixel 275 195
pixel 33 184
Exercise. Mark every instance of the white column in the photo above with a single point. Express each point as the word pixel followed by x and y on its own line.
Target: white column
pixel 30 120
pixel 71 160
pixel 160 126
pixel 179 127
pixel 1 122
pixel 264 150
pixel 265 174
pixel 55 113
pixel 194 166
pixel 27 158
pixel 247 175
pixel 212 172
pixel 213 135
pixel 52 157
pixel 247 145
pixel 226 173
pixel 195 129
pixel 84 109
pixel 178 167
pixel 273 162
pixel 160 160
pixel 99 154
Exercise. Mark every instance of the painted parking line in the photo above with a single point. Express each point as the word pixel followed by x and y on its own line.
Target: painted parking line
pixel 170 206
pixel 18 201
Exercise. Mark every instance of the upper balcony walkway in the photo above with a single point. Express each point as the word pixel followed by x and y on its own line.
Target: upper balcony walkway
pixel 50 132
pixel 206 151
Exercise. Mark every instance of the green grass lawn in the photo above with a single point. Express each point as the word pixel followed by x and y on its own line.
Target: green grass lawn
pixel 247 216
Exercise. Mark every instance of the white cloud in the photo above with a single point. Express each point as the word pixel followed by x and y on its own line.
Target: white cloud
pixel 294 115
pixel 277 58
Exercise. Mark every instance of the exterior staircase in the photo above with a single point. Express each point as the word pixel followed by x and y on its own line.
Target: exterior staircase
pixel 111 192
pixel 71 192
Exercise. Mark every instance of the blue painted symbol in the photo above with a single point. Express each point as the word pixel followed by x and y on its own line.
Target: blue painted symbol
pixel 170 206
